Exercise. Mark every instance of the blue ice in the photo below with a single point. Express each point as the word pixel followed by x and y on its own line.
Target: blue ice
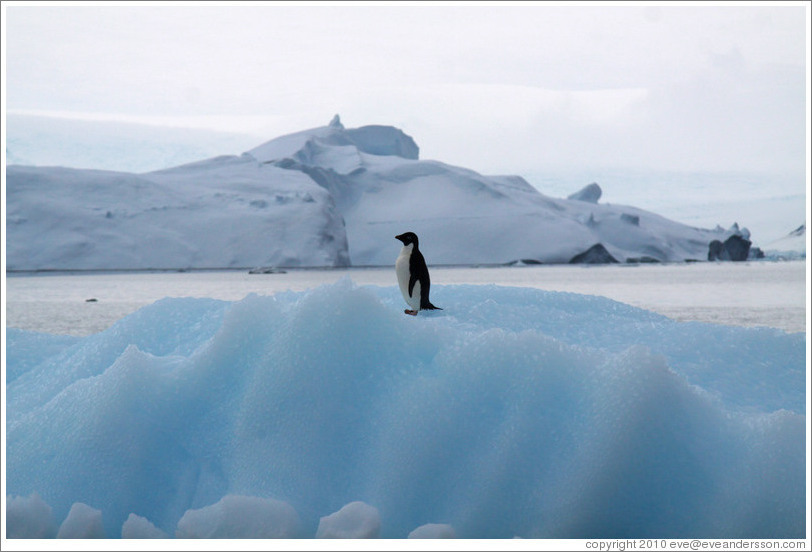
pixel 512 412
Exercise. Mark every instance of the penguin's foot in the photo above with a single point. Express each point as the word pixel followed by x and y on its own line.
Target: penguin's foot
pixel 412 312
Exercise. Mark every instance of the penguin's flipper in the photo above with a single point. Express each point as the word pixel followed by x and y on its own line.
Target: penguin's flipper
pixel 412 282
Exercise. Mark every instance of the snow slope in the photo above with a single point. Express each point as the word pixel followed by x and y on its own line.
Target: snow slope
pixel 792 243
pixel 224 212
pixel 513 412
pixel 328 196
pixel 463 217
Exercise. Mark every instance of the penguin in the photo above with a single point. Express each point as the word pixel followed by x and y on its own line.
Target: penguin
pixel 413 275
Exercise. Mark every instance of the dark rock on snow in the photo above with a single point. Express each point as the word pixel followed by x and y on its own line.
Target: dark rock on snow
pixel 590 193
pixel 634 220
pixel 643 259
pixel 597 254
pixel 715 250
pixel 735 248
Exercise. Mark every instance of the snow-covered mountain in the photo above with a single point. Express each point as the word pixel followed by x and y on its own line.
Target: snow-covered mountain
pixel 328 196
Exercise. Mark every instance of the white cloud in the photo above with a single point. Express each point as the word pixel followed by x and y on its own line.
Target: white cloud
pixel 496 88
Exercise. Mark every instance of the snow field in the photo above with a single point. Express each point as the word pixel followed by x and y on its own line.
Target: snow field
pixel 329 413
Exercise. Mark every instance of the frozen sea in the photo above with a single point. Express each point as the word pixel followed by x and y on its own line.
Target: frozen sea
pixel 740 294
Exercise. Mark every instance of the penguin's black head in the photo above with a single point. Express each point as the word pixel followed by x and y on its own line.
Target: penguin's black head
pixel 407 238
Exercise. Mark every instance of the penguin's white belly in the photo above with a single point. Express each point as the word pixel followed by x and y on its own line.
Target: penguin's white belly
pixel 402 271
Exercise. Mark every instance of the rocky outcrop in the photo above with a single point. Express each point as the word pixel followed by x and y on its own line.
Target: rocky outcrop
pixel 590 193
pixel 643 259
pixel 634 220
pixel 734 248
pixel 597 254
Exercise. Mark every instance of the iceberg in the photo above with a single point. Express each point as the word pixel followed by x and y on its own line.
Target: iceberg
pixel 324 197
pixel 513 412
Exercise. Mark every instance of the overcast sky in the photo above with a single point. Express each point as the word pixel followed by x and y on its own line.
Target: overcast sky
pixel 496 88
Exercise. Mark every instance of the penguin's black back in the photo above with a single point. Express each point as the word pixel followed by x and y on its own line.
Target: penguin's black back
pixel 419 272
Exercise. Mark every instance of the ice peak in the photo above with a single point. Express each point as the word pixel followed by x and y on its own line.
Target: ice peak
pixel 590 193
pixel 335 122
